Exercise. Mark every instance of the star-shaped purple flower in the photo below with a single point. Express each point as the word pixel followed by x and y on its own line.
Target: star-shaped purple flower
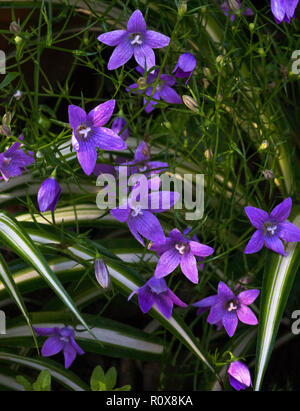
pixel 156 291
pixel 176 250
pixel 284 10
pixel 89 133
pixel 232 7
pixel 60 339
pixel 142 221
pixel 136 40
pixel 271 228
pixel 228 308
pixel 13 161
pixel 163 91
pixel 239 376
pixel 185 66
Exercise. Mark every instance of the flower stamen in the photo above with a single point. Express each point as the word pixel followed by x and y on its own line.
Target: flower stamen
pixel 137 39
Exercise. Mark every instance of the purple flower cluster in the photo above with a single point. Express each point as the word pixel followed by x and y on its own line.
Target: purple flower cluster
pixel 139 211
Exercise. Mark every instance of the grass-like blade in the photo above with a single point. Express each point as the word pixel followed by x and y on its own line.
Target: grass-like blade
pixel 279 276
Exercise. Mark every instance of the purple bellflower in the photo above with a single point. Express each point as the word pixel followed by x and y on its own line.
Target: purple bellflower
pixel 60 339
pixel 118 124
pixel 233 7
pixel 48 194
pixel 185 66
pixel 284 10
pixel 89 133
pixel 156 291
pixel 239 376
pixel 176 250
pixel 142 221
pixel 14 161
pixel 163 91
pixel 228 308
pixel 271 228
pixel 136 40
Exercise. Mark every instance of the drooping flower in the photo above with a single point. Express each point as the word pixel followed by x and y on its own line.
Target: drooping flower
pixel 284 10
pixel 13 161
pixel 228 308
pixel 49 194
pixel 60 339
pixel 271 228
pixel 176 250
pixel 102 274
pixel 163 91
pixel 89 133
pixel 234 7
pixel 239 376
pixel 156 291
pixel 141 220
pixel 142 163
pixel 117 126
pixel 185 66
pixel 136 40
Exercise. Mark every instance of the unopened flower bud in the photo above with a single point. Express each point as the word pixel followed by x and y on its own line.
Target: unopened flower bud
pixel 6 119
pixel 14 27
pixel 182 8
pixel 18 95
pixel 220 60
pixel 234 5
pixel 142 83
pixel 251 26
pixel 18 40
pixel 101 273
pixel 264 145
pixel 5 130
pixel 268 174
pixel 190 103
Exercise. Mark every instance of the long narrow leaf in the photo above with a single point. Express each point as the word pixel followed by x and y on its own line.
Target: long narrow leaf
pixel 118 340
pixel 12 289
pixel 64 377
pixel 13 235
pixel 278 280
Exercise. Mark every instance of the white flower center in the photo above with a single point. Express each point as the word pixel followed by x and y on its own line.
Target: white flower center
pixel 269 228
pixel 142 168
pixel 84 131
pixel 232 306
pixel 181 247
pixel 137 39
pixel 64 339
pixel 6 161
pixel 137 210
pixel 272 229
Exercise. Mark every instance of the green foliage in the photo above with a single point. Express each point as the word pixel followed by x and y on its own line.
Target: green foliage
pixel 43 382
pixel 245 121
pixel 106 382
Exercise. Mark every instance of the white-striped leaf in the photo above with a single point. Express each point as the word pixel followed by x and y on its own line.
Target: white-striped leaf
pixel 15 237
pixel 278 280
